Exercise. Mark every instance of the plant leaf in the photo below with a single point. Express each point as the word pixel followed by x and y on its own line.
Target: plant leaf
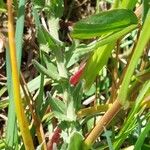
pixel 142 137
pixel 2 6
pixel 39 4
pixel 83 49
pixel 103 23
pixel 141 43
pixel 56 7
pixel 58 108
pixel 95 64
pixel 128 4
pixel 50 73
pixel 75 141
pixel 12 123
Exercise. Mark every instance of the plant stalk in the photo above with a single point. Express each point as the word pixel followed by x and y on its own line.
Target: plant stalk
pixel 104 121
pixel 22 120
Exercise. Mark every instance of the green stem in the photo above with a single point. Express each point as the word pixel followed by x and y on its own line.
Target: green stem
pixel 142 41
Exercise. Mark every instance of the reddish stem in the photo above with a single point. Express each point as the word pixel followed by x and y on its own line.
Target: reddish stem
pixel 54 139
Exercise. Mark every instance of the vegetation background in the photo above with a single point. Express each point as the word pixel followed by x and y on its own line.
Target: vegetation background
pixel 74 74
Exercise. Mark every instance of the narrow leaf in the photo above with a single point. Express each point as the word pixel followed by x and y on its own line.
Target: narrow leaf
pixel 12 127
pixel 96 63
pixel 128 4
pixel 142 136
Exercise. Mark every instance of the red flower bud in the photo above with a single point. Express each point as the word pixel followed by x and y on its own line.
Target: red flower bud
pixel 74 79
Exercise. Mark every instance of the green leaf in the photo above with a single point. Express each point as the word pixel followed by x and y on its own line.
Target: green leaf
pixel 129 124
pixel 55 8
pixel 141 138
pixel 34 84
pixel 140 46
pixel 58 108
pixel 128 4
pixel 12 138
pixel 39 4
pixel 108 134
pixel 146 6
pixel 103 23
pixel 2 6
pixel 76 140
pixel 49 64
pixel 47 42
pixel 84 50
pixel 51 72
pixel 77 96
pixel 95 64
pixel 12 123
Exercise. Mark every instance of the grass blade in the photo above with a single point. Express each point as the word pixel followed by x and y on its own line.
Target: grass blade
pixel 142 137
pixel 22 120
pixel 143 39
pixel 11 128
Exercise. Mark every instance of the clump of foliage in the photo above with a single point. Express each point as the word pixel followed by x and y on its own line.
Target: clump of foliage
pixel 92 90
